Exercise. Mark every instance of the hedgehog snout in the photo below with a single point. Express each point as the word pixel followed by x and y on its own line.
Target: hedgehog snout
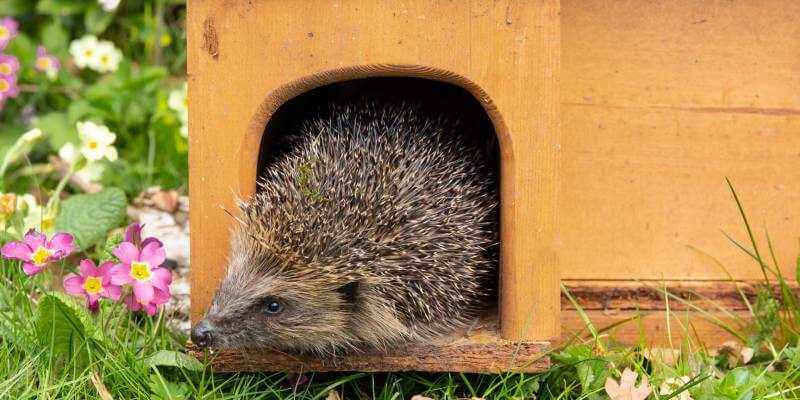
pixel 203 334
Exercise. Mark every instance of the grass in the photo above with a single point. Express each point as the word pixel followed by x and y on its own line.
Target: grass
pixel 51 348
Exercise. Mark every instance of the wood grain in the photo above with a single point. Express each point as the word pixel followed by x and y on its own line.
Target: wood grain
pixel 477 350
pixel 650 295
pixel 662 100
pixel 631 327
pixel 247 58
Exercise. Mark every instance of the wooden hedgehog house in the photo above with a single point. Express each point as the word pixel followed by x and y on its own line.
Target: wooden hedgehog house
pixel 616 124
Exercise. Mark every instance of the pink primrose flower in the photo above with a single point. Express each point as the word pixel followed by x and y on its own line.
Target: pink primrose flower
pixel 35 251
pixel 46 63
pixel 141 270
pixel 9 65
pixel 8 30
pixel 93 282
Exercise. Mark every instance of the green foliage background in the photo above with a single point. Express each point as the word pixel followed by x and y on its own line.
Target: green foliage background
pixel 131 101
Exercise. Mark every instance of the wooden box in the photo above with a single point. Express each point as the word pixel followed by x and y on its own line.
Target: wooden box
pixel 617 124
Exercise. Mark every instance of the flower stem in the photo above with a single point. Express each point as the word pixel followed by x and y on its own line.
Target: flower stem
pixel 114 309
pixel 55 198
pixel 151 155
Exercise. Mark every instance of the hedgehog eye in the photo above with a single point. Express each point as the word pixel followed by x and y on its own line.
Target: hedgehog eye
pixel 272 306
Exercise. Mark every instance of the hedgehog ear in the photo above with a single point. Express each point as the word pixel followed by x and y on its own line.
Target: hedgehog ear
pixel 350 291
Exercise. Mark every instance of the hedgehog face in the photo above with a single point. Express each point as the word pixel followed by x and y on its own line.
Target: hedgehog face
pixel 260 305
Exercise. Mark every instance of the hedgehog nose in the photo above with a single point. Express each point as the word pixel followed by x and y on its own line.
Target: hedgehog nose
pixel 202 334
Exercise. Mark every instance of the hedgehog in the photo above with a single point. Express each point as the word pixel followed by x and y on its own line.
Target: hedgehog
pixel 377 228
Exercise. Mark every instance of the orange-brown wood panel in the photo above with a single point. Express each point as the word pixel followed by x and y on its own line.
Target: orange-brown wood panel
pixel 242 56
pixel 651 328
pixel 662 100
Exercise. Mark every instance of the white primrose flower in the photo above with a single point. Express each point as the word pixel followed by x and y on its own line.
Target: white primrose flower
pixel 179 102
pixel 99 55
pixel 92 172
pixel 32 135
pixel 84 51
pixel 69 153
pixel 108 57
pixel 97 141
pixel 108 5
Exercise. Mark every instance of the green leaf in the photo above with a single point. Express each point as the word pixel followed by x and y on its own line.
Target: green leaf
pixel 22 46
pixel 89 217
pixel 592 371
pixel 165 390
pixel 793 356
pixel 96 19
pixel 737 384
pixel 110 244
pixel 145 76
pixel 57 127
pixel 79 110
pixel 61 329
pixel 55 38
pixel 170 358
pixel 79 309
pixel 104 89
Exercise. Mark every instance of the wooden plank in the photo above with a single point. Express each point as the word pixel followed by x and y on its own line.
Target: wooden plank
pixel 649 295
pixel 661 100
pixel 244 55
pixel 477 350
pixel 524 83
pixel 650 327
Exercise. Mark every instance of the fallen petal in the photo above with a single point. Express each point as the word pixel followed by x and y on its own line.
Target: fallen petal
pixel 747 354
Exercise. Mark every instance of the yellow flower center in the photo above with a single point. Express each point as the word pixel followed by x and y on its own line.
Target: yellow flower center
pixel 4 33
pixel 93 285
pixel 5 68
pixel 4 85
pixel 88 52
pixel 40 256
pixel 104 59
pixel 140 270
pixel 93 145
pixel 44 63
pixel 47 223
pixel 186 101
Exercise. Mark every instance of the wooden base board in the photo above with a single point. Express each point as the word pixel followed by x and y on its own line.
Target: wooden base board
pixel 650 295
pixel 704 312
pixel 478 350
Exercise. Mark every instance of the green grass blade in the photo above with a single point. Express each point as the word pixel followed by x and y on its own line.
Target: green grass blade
pixel 747 226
